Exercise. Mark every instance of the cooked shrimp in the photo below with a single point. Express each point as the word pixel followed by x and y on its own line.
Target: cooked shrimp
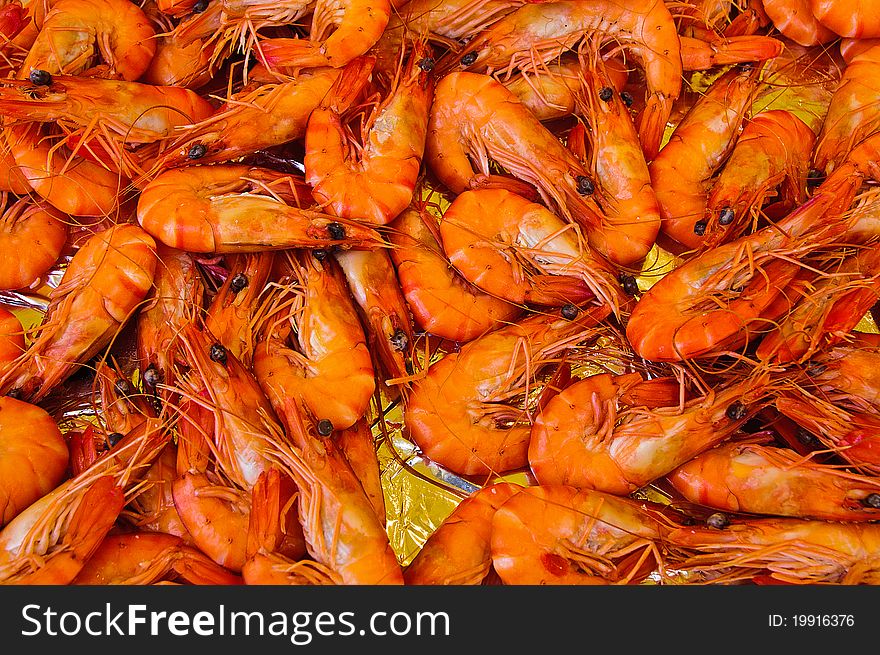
pixel 699 54
pixel 854 19
pixel 795 20
pixel 31 238
pixel 12 342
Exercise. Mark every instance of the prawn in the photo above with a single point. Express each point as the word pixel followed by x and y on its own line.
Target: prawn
pixel 761 479
pixel 32 238
pixel 12 341
pixel 441 301
pixel 795 20
pixel 854 19
pixel 101 289
pixel 464 414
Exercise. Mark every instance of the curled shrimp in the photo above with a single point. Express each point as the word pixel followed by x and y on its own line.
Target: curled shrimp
pixel 854 19
pixel 596 434
pixel 102 288
pixel 75 31
pixel 376 179
pixel 232 218
pixel 442 302
pixel 12 341
pixel 540 32
pixel 463 413
pixel 560 535
pixel 521 251
pixel 33 455
pixel 795 20
pixel 32 238
pixel 790 550
pixel 761 479
pixel 458 551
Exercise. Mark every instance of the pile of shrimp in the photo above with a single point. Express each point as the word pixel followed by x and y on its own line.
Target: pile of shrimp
pixel 614 263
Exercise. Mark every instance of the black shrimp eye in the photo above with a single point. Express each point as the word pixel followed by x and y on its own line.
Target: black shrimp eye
pixel 805 437
pixel 717 521
pixel 238 282
pixel 399 340
pixel 14 393
pixel 630 284
pixel 319 254
pixel 40 77
pixel 152 377
pixel 726 216
pixel 469 59
pixel 606 94
pixel 569 311
pixel 197 151
pixel 815 177
pixel 627 98
pixel 200 7
pixel 700 228
pixel 336 231
pixel 123 387
pixel 736 411
pixel 815 368
pixel 427 64
pixel 584 185
pixel 114 438
pixel 218 353
pixel 325 427
pixel 871 500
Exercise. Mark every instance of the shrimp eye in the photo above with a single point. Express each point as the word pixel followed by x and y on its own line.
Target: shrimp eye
pixel 40 77
pixel 114 438
pixel 238 282
pixel 319 254
pixel 427 64
pixel 156 403
pixel 218 353
pixel 123 387
pixel 469 59
pixel 152 377
pixel 627 98
pixel 569 311
pixel 736 411
pixel 717 521
pixel 726 216
pixel 200 7
pixel 816 368
pixel 871 500
pixel 399 340
pixel 14 393
pixel 815 177
pixel 197 151
pixel 336 231
pixel 325 427
pixel 585 185
pixel 630 284
pixel 700 228
pixel 805 437
pixel 606 94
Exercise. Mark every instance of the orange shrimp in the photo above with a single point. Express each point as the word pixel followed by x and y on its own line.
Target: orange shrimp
pixel 373 283
pixel 792 551
pixel 50 541
pixel 102 288
pixel 177 298
pixel 376 179
pixel 73 185
pixel 217 209
pixel 74 32
pixel 700 54
pixel 589 436
pixel 761 479
pixel 855 19
pixel 232 313
pixel 795 20
pixel 724 297
pixel 851 116
pixel 331 370
pixel 849 368
pixel 851 48
pixel 559 535
pixel 142 558
pixel 458 551
pixel 618 166
pixel 123 407
pixel 33 455
pixel 341 528
pixel 12 342
pixel 256 118
pixel 520 251
pixel 475 119
pixel 340 31
pixel 543 31
pixel 681 174
pixel 153 509
pixel 464 412
pixel 32 238
pixel 442 302
pixel 772 152
pixel 11 178
pixel 359 447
